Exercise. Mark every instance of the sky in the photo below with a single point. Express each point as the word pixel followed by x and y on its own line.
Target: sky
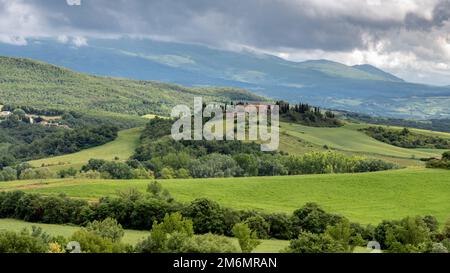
pixel 409 38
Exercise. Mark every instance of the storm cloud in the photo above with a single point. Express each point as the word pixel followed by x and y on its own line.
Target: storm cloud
pixel 407 37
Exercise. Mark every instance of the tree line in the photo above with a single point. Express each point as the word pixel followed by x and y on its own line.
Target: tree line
pixel 168 158
pixel 405 138
pixel 308 115
pixel 196 227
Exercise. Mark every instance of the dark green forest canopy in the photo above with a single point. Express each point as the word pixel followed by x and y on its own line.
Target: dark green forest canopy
pixel 35 84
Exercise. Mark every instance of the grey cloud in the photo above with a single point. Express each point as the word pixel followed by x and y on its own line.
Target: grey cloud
pixel 257 23
pixel 268 25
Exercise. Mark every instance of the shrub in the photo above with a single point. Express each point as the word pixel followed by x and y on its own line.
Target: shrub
pixel 167 173
pixel 409 235
pixel 215 165
pixel 444 163
pixel 259 225
pixel 146 211
pixel 72 172
pixel 182 174
pixel 91 242
pixel 280 226
pixel 141 173
pixel 308 242
pixel 438 248
pixel 207 216
pixel 446 156
pixel 446 230
pixel 94 165
pixel 313 219
pixel 107 229
pixel 117 170
pixel 41 173
pixel 209 243
pixel 246 237
pixel 8 174
pixel 11 242
pixel 157 191
pixel 89 175
pixel 342 233
pixel 248 162
pixel 168 236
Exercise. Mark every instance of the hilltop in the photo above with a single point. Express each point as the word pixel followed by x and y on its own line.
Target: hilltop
pixel 30 83
pixel 362 88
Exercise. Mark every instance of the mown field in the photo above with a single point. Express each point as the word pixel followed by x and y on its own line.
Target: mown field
pixel 131 237
pixel 365 198
pixel 123 147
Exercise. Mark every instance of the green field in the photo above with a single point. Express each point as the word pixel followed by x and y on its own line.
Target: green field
pixel 349 139
pixel 123 147
pixel 131 237
pixel 365 198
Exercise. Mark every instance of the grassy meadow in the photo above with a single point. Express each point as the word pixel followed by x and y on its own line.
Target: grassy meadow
pixel 123 147
pixel 365 198
pixel 349 139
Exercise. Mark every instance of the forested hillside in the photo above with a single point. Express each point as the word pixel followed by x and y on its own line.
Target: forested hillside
pixel 25 82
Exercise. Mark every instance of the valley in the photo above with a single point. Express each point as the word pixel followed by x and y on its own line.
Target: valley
pixel 345 171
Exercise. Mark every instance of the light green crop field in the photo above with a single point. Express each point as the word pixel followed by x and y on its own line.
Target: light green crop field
pixel 365 198
pixel 131 237
pixel 349 139
pixel 123 147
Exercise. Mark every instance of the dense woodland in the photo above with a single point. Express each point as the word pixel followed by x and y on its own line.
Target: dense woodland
pixel 42 85
pixel 406 138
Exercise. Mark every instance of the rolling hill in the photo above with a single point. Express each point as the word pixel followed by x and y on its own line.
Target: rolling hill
pixel 43 86
pixel 349 139
pixel 366 198
pixel 122 148
pixel 362 88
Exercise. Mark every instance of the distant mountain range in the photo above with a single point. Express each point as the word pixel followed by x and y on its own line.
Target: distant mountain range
pixel 361 88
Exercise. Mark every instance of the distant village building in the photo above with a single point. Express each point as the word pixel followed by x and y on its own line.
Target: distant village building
pixel 5 114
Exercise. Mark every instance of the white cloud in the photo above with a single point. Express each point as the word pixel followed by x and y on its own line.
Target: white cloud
pixel 13 40
pixel 63 39
pixel 79 41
